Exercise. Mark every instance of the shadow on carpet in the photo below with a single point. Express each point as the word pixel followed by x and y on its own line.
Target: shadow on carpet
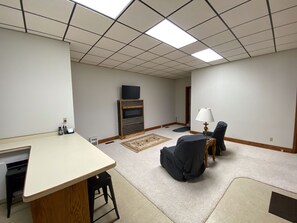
pixel 182 129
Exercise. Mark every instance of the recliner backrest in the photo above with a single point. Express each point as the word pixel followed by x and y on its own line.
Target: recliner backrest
pixel 190 150
pixel 220 130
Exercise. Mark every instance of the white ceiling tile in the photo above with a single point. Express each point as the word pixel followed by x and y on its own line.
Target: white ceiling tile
pixel 90 20
pixel 233 52
pixel 76 55
pixel 227 46
pixel 219 38
pixel 89 62
pixel 74 59
pixel 96 51
pixel 147 56
pixel 261 36
pixel 140 17
pixel 286 46
pixel 109 44
pixel 54 9
pixel 222 6
pixel 195 62
pixel 78 47
pixel 125 66
pixel 110 62
pixel 137 69
pixel 165 7
pixel 252 27
pixel 122 33
pixel 40 24
pixel 160 60
pixel 162 49
pixel 192 14
pixel 185 59
pixel 193 47
pixel 284 17
pixel 262 51
pixel 82 36
pixel 11 3
pixel 292 38
pixel 136 61
pixel 120 57
pixel 160 67
pixel 285 30
pixel 208 28
pixel 175 55
pixel 94 59
pixel 12 27
pixel 259 45
pixel 246 12
pixel 238 57
pixel 131 51
pixel 171 63
pixel 148 64
pixel 201 65
pixel 145 42
pixel 11 17
pixel 44 34
pixel 218 62
pixel 277 5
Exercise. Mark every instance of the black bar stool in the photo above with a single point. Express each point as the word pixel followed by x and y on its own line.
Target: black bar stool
pixel 102 180
pixel 15 180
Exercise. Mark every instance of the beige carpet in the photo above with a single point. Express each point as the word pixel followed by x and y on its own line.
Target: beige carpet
pixel 144 142
pixel 187 202
pixel 247 200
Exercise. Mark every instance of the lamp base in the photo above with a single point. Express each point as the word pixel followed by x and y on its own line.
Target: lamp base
pixel 205 128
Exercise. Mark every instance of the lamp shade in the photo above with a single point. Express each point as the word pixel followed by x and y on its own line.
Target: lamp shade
pixel 205 115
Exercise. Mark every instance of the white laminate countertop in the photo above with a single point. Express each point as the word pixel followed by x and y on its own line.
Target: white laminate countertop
pixel 57 162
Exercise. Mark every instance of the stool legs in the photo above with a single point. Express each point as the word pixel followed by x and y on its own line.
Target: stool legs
pixel 113 199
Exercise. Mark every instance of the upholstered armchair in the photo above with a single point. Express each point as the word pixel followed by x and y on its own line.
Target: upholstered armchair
pixel 219 134
pixel 185 161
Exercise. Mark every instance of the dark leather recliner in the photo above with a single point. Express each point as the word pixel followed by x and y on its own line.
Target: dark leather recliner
pixel 219 134
pixel 185 161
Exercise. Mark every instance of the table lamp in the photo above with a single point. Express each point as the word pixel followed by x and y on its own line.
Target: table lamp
pixel 205 115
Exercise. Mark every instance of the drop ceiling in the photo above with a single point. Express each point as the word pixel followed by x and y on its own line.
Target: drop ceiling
pixel 235 29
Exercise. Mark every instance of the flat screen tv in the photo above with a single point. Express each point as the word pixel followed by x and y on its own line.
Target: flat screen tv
pixel 130 92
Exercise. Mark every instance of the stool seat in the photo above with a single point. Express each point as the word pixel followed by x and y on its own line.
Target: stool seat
pixel 102 180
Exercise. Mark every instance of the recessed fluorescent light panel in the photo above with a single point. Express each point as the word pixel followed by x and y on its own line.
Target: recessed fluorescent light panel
pixel 169 33
pixel 207 55
pixel 110 8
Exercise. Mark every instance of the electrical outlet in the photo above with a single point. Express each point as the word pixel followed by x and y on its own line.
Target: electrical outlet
pixel 64 120
pixel 271 139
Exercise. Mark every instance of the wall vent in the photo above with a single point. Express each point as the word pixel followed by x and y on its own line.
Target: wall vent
pixel 93 140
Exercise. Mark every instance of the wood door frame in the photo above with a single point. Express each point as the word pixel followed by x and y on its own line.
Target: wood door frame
pixel 187 105
pixel 295 130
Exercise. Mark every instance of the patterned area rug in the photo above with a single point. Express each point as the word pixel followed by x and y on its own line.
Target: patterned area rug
pixel 144 142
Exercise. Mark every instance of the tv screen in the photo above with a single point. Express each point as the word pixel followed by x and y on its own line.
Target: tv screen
pixel 130 92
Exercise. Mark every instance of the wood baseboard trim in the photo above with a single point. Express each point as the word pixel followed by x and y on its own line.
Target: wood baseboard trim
pixel 179 123
pixel 152 128
pixel 108 139
pixel 147 129
pixel 256 144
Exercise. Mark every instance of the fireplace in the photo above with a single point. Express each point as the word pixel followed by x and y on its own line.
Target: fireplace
pixel 132 112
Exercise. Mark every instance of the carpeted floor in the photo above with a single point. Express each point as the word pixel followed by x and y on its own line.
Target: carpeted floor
pixel 194 201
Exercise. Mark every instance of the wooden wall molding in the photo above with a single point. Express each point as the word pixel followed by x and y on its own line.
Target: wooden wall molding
pixel 256 144
pixel 147 129
pixel 295 130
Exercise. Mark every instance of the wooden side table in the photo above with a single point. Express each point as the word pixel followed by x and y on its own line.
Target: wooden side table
pixel 210 142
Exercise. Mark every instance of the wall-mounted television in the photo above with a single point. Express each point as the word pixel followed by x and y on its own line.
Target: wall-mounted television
pixel 130 92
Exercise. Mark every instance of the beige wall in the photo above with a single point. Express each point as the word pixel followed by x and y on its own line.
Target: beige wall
pixel 97 89
pixel 35 84
pixel 256 97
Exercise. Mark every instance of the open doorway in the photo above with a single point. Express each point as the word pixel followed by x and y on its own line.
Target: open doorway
pixel 188 106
